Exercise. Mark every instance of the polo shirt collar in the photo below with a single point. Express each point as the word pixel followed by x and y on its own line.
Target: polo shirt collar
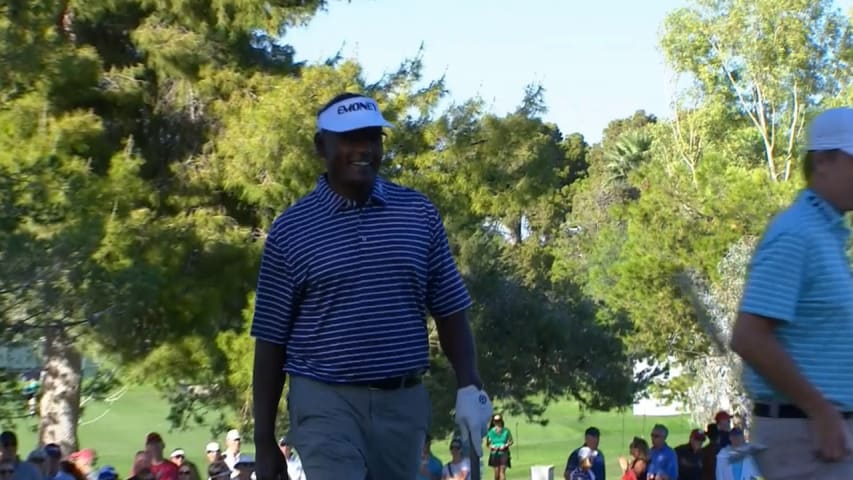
pixel 331 202
pixel 832 215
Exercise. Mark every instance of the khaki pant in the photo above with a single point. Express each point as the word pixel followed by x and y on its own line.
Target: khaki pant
pixel 791 451
pixel 355 433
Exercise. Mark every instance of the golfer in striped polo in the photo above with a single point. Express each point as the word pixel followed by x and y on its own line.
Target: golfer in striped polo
pixel 795 328
pixel 347 277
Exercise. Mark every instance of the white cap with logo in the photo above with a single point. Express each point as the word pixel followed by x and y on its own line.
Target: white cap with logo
pixel 832 130
pixel 351 114
pixel 586 452
pixel 211 447
pixel 232 435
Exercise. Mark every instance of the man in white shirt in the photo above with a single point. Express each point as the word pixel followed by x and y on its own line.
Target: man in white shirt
pixel 232 451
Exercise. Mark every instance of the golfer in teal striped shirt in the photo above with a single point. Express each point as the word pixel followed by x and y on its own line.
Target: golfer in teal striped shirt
pixel 795 326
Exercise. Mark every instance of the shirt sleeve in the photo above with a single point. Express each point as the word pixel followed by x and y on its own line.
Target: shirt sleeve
pixel 671 468
pixel 275 296
pixel 573 461
pixel 446 292
pixel 775 277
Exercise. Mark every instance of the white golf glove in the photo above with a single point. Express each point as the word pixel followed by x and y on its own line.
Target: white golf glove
pixel 473 412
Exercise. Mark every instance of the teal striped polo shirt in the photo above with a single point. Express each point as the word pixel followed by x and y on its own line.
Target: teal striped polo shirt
pixel 800 275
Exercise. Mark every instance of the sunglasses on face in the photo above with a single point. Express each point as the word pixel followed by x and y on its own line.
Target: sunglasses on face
pixel 184 472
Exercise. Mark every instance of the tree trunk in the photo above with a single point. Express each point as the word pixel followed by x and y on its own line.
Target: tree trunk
pixel 60 397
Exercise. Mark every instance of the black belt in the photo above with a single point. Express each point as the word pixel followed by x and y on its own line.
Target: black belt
pixel 782 410
pixel 395 383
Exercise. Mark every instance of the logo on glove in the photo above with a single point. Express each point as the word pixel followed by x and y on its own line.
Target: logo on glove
pixel 483 399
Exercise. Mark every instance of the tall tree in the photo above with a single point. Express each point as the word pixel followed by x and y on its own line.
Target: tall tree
pixel 771 61
pixel 105 105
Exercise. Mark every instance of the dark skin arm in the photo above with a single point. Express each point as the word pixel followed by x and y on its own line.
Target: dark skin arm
pixel 267 386
pixel 457 342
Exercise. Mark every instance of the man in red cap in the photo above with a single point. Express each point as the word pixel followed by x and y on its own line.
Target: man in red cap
pixel 162 468
pixel 724 426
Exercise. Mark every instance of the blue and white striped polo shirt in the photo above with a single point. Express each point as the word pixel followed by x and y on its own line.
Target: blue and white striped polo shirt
pixel 800 275
pixel 347 288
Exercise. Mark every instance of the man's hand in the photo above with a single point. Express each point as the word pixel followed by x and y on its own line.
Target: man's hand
pixel 473 412
pixel 269 462
pixel 830 433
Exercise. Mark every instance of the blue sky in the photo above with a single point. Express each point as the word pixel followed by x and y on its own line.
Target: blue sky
pixel 598 61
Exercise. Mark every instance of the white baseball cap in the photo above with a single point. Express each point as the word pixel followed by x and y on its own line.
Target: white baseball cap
pixel 586 452
pixel 832 130
pixel 232 435
pixel 212 447
pixel 351 114
pixel 178 452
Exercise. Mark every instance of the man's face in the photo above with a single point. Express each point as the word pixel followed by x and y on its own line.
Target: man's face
pixel 658 438
pixel 155 449
pixel 212 455
pixel 177 460
pixel 736 440
pixel 591 441
pixel 696 444
pixel 353 158
pixel 837 169
pixel 234 444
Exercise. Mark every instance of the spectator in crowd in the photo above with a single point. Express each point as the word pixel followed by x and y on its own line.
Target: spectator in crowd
pixel 85 461
pixel 430 464
pixel 188 471
pixel 635 467
pixel 212 452
pixel 294 464
pixel 690 456
pixel 245 467
pixel 143 473
pixel 734 461
pixel 9 452
pixel 38 458
pixel 663 462
pixel 459 467
pixel 583 471
pixel 53 454
pixel 69 469
pixel 724 426
pixel 141 460
pixel 592 437
pixel 709 452
pixel 219 470
pixel 162 468
pixel 499 439
pixel 232 450
pixel 178 456
pixel 107 472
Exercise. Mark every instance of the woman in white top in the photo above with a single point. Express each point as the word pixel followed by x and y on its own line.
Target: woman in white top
pixel 459 468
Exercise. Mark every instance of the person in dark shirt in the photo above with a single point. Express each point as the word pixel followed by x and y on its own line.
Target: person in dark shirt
pixel 591 439
pixel 724 425
pixel 709 453
pixel 690 456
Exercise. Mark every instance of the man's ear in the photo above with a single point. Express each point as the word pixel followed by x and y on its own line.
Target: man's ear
pixel 319 145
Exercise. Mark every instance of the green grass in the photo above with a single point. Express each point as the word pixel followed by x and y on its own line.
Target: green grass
pixel 116 431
